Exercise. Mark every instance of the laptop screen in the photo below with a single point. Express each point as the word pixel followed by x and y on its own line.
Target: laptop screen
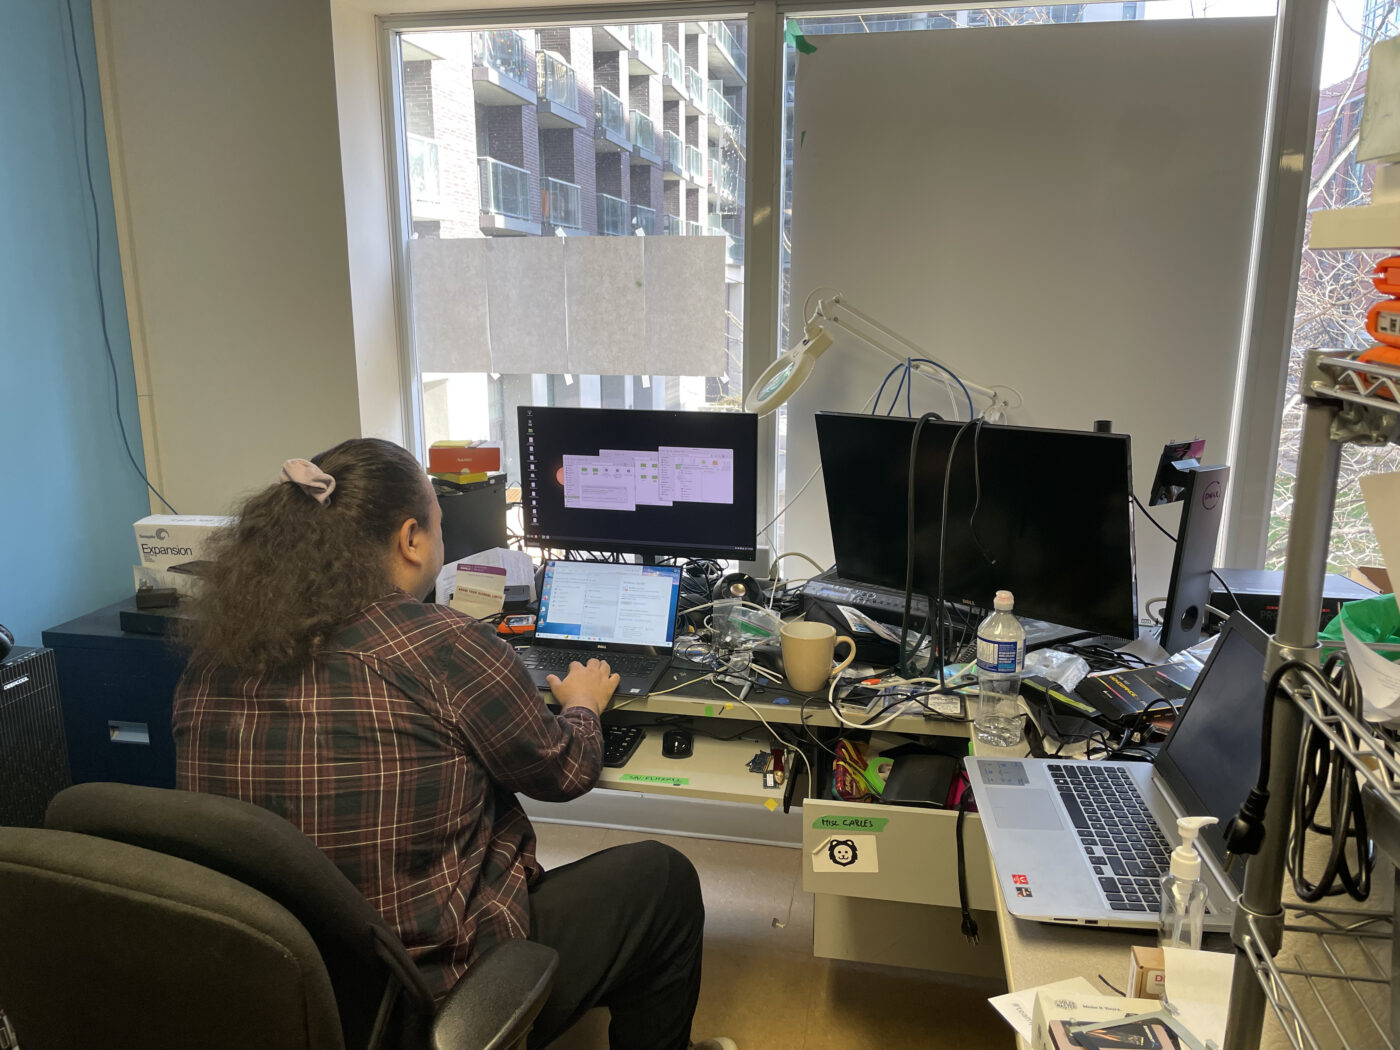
pixel 1211 759
pixel 598 602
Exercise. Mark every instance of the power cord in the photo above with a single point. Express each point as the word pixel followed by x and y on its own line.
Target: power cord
pixel 97 261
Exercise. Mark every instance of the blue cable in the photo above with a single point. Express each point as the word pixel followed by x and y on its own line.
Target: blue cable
pixel 894 403
pixel 875 408
pixel 971 411
pixel 909 390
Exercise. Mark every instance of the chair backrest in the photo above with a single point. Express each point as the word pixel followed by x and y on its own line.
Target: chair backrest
pixel 106 944
pixel 367 963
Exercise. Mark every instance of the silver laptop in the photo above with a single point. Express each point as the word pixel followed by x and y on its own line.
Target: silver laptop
pixel 625 614
pixel 1088 842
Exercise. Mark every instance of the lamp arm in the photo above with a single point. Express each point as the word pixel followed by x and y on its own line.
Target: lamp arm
pixel 830 310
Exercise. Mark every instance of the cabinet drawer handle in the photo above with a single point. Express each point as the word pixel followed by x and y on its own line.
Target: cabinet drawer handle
pixel 128 732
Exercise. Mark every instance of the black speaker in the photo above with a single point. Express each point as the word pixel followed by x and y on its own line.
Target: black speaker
pixel 33 752
pixel 738 585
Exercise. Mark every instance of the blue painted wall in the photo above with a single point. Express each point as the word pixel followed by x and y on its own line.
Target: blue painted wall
pixel 68 493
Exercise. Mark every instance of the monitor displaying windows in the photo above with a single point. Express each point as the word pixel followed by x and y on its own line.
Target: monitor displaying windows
pixel 1045 514
pixel 640 482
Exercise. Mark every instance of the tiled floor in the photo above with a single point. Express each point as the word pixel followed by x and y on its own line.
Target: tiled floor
pixel 763 988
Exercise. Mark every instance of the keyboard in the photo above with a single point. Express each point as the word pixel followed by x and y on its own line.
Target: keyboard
pixel 620 743
pixel 539 658
pixel 1119 838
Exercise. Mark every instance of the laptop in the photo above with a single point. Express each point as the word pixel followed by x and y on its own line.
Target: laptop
pixel 624 614
pixel 1088 842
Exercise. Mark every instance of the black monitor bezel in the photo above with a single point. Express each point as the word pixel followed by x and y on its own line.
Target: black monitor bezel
pixel 642 549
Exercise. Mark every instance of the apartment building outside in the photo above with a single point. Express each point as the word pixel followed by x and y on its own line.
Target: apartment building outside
pixel 604 130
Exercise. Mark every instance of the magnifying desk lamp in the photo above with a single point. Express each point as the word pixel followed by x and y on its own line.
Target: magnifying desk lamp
pixel 783 377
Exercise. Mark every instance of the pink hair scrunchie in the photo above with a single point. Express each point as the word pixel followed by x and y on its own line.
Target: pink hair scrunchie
pixel 312 480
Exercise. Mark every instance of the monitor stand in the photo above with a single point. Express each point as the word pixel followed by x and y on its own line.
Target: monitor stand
pixel 1189 589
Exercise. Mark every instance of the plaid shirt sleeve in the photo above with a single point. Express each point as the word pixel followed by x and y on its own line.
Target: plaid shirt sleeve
pixel 523 746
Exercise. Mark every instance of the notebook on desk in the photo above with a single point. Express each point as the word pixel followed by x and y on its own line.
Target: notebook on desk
pixel 624 614
pixel 1087 842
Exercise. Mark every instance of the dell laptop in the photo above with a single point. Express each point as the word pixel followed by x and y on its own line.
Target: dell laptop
pixel 1088 842
pixel 624 614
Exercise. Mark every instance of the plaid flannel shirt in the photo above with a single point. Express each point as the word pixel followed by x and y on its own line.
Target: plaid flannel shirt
pixel 398 750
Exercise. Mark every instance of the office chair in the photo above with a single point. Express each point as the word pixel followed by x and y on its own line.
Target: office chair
pixel 380 998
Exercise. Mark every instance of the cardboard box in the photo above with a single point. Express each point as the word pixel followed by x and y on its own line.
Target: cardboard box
pixel 1147 973
pixel 463 457
pixel 463 477
pixel 167 540
pixel 1377 579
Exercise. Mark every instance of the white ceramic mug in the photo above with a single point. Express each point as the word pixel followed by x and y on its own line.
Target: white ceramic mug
pixel 808 649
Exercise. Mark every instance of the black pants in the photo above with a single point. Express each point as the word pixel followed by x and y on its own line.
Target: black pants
pixel 627 923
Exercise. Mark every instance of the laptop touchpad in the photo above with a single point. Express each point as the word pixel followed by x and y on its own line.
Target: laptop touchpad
pixel 1022 810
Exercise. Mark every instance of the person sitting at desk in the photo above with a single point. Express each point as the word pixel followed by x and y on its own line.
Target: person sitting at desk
pixel 395 734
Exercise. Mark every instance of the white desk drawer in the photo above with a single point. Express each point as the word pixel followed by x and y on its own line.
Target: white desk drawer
pixel 915 855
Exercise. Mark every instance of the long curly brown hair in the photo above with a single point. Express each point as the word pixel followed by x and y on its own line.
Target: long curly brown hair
pixel 290 571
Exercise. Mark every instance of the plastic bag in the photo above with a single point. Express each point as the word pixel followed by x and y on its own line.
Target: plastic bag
pixel 741 626
pixel 1064 669
pixel 1371 620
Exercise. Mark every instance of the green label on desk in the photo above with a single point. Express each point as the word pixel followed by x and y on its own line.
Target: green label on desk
pixel 870 824
pixel 646 778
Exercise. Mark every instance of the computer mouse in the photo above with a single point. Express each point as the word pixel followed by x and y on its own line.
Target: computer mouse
pixel 678 743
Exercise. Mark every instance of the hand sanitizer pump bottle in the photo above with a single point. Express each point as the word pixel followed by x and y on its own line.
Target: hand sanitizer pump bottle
pixel 1183 912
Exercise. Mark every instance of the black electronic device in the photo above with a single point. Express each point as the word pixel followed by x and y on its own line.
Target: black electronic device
pixel 738 585
pixel 1043 513
pixel 620 743
pixel 1201 490
pixel 7 641
pixel 31 736
pixel 1258 593
pixel 473 515
pixel 920 780
pixel 678 743
pixel 640 482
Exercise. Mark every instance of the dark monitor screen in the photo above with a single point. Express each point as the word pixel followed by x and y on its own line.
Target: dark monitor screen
pixel 1042 513
pixel 1211 759
pixel 640 482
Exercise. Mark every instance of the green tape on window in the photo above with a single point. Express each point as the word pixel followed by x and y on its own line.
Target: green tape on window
pixel 646 778
pixel 867 824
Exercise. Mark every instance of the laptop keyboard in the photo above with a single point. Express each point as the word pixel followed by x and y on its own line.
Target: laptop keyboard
pixel 548 659
pixel 1116 831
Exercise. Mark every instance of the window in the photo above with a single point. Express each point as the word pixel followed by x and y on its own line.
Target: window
pixel 574 133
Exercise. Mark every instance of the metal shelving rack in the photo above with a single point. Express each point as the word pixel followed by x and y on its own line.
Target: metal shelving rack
pixel 1334 965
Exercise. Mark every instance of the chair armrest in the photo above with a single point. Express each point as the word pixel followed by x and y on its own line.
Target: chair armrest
pixel 493 1006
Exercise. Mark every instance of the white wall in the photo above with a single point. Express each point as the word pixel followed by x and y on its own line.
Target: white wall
pixel 1065 208
pixel 225 150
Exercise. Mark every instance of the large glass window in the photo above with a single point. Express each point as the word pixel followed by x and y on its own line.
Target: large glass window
pixel 1334 287
pixel 579 131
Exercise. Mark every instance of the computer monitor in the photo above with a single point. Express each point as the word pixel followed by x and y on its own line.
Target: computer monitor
pixel 640 482
pixel 1045 514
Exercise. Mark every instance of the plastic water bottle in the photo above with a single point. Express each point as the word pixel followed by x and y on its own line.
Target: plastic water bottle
pixel 1001 656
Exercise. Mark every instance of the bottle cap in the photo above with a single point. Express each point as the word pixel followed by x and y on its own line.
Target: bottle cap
pixel 1003 601
pixel 1186 860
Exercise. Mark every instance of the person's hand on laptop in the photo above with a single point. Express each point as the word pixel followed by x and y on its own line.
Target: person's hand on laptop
pixel 589 686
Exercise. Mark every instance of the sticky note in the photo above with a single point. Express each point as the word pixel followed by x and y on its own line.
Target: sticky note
pixel 771 804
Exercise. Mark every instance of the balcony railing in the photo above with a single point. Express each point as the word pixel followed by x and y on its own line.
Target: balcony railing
pixel 725 179
pixel 644 219
pixel 557 81
pixel 424 173
pixel 563 203
pixel 610 112
pixel 674 151
pixel 643 131
pixel 695 86
pixel 672 65
pixel 723 113
pixel 695 164
pixel 503 50
pixel 694 229
pixel 612 215
pixel 729 44
pixel 505 189
pixel 646 41
pixel 734 243
pixel 623 33
pixel 673 225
